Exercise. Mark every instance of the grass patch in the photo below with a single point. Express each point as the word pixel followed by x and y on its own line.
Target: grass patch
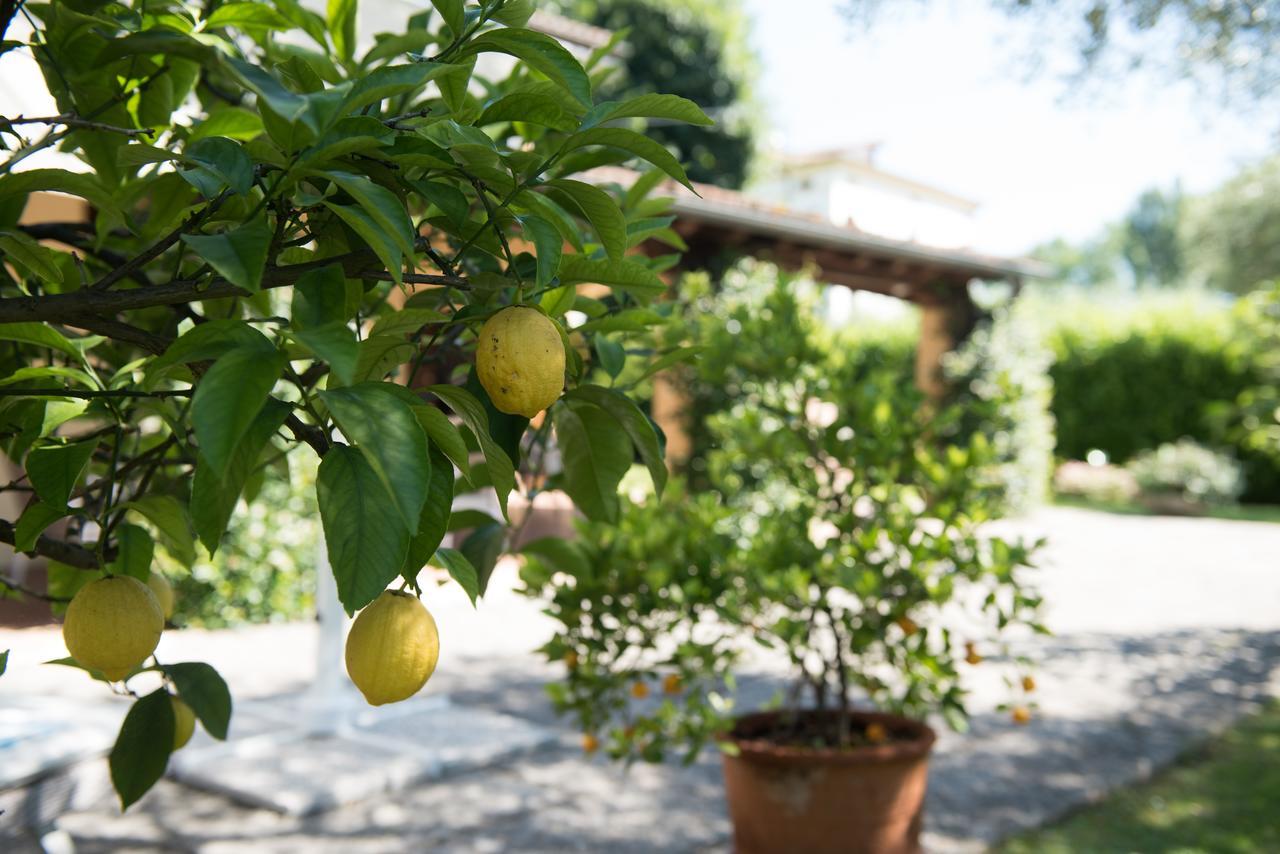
pixel 1237 512
pixel 1224 797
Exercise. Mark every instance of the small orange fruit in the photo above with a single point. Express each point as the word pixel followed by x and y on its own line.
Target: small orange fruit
pixel 907 625
pixel 671 684
pixel 1021 715
pixel 571 660
pixel 590 744
pixel 876 733
pixel 1028 684
pixel 971 654
pixel 639 690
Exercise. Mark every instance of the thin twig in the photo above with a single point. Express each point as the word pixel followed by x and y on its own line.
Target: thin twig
pixel 85 394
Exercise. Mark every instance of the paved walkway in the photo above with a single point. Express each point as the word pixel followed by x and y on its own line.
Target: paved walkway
pixel 1168 629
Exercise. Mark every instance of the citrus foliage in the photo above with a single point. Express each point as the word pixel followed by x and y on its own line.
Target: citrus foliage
pixel 296 231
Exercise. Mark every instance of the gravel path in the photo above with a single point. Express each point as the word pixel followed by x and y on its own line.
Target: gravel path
pixel 1168 630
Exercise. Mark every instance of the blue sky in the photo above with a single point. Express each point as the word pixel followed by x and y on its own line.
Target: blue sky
pixel 944 88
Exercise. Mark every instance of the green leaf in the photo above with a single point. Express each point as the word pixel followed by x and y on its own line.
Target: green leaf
pixel 229 121
pixel 482 549
pixel 134 552
pixel 638 428
pixel 448 198
pixel 365 537
pixel 633 143
pixel 651 106
pixel 319 298
pixel 461 570
pixel 372 234
pixel 214 497
pixel 631 276
pixel 380 354
pixel 38 260
pixel 612 357
pixel 549 245
pixel 539 51
pixel 381 205
pixel 601 211
pixel 434 521
pixel 533 107
pixel 210 340
pixel 342 26
pixel 289 106
pixel 4 661
pixel 390 81
pixel 141 752
pixel 445 436
pixel 387 432
pixel 471 411
pixel 221 162
pixel 596 454
pixel 32 523
pixel 407 321
pixel 452 13
pixel 44 372
pixel 54 470
pixel 201 688
pixel 59 181
pixel 228 398
pixel 557 301
pixel 561 555
pixel 247 16
pixel 334 343
pixel 40 335
pixel 170 518
pixel 239 254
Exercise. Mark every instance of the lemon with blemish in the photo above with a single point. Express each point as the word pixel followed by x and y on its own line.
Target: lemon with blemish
pixel 520 360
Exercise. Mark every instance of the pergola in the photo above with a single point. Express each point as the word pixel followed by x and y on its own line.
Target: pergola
pixel 716 222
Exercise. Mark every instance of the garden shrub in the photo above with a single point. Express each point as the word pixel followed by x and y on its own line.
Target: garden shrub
pixel 1189 470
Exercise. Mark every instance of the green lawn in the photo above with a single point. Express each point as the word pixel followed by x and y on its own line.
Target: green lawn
pixel 1240 512
pixel 1224 797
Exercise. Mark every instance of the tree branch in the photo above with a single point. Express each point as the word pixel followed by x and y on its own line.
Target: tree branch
pixel 80 557
pixel 85 394
pixel 73 121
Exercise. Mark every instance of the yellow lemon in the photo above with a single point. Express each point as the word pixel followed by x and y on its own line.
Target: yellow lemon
pixel 112 625
pixel 163 591
pixel 520 361
pixel 392 648
pixel 184 723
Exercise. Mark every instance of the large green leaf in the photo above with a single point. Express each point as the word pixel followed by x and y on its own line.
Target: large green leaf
pixel 638 428
pixel 40 261
pixel 471 411
pixel 387 432
pixel 372 234
pixel 54 470
pixel 631 276
pixel 210 340
pixel 240 254
pixel 319 298
pixel 392 80
pixel 382 206
pixel 407 321
pixel 214 496
pixel 334 343
pixel 548 244
pixel 247 16
pixel 633 143
pixel 219 162
pixel 135 551
pixel 170 517
pixel 201 688
pixel 445 436
pixel 289 106
pixel 228 398
pixel 342 26
pixel 380 354
pixel 434 522
pixel 141 752
pixel 87 187
pixel 601 211
pixel 596 453
pixel 461 570
pixel 40 335
pixel 32 523
pixel 452 13
pixel 532 107
pixel 482 548
pixel 651 106
pixel 539 51
pixel 366 539
pixel 229 121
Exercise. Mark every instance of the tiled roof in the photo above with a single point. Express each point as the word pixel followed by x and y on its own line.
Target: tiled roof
pixel 717 205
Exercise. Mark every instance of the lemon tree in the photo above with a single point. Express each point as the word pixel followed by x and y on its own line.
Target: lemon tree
pixel 288 233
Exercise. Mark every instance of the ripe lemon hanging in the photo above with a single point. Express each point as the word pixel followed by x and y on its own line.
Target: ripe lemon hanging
pixel 520 361
pixel 392 648
pixel 184 722
pixel 163 591
pixel 112 625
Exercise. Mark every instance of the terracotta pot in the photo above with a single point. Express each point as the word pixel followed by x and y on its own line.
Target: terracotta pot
pixel 794 799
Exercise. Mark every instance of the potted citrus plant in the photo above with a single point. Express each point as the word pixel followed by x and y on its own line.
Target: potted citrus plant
pixel 841 533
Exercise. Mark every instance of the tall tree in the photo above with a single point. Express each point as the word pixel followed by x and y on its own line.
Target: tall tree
pixel 697 50
pixel 1232 236
pixel 1150 238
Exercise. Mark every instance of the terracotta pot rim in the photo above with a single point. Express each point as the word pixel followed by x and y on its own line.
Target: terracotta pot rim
pixel 763 750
